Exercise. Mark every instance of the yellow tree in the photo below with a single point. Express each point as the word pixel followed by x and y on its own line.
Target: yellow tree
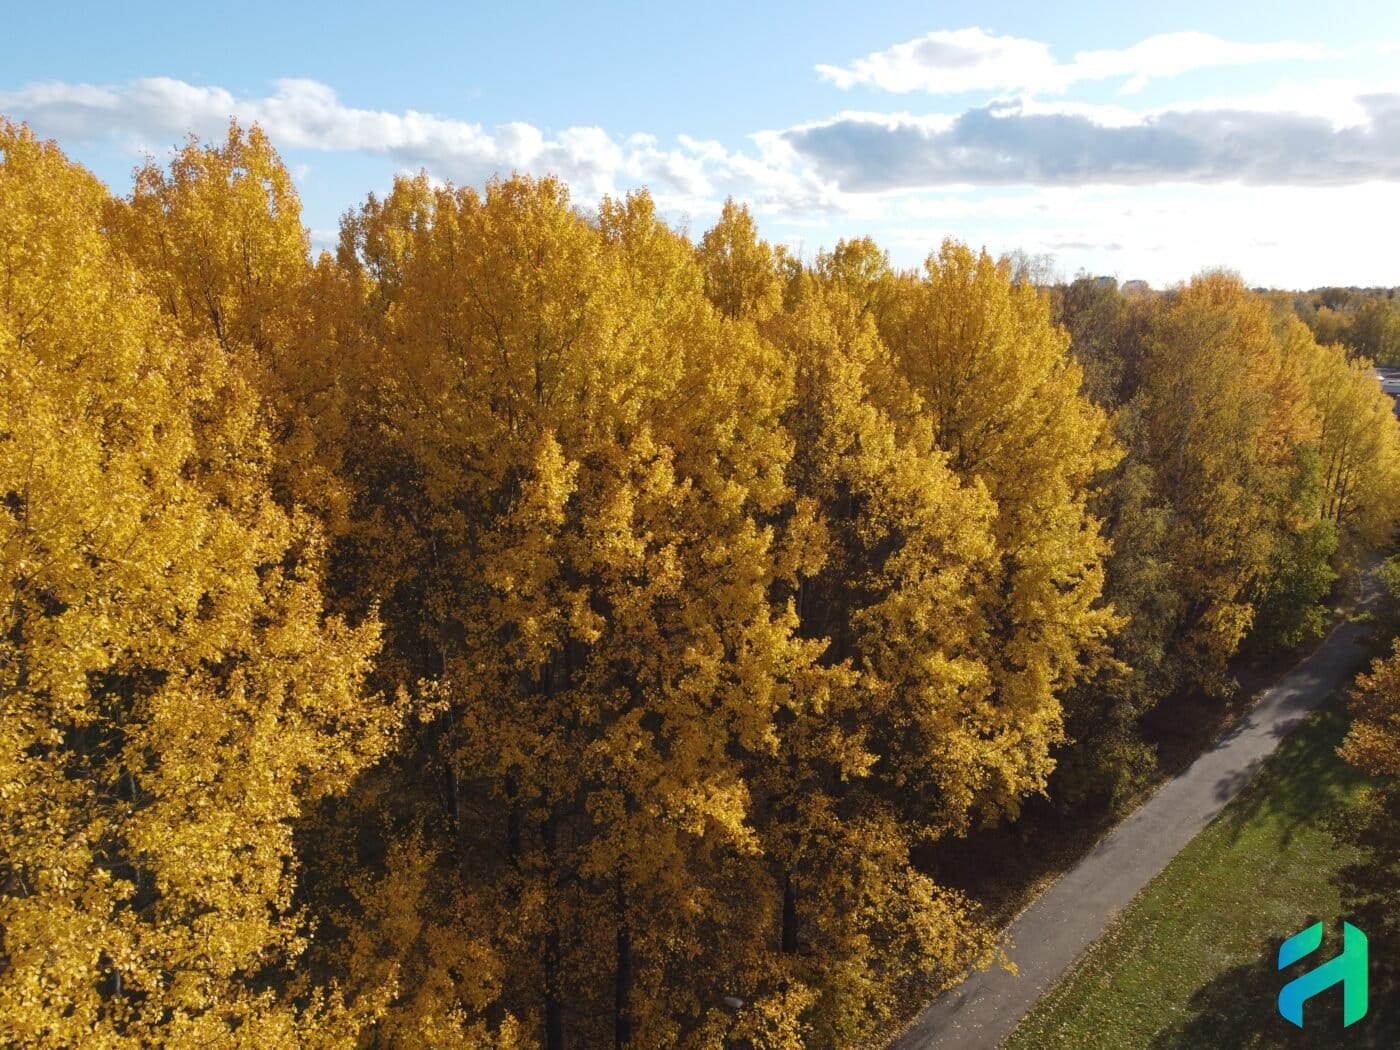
pixel 862 271
pixel 1001 392
pixel 1358 442
pixel 743 274
pixel 218 240
pixel 580 454
pixel 1220 417
pixel 887 561
pixel 1373 742
pixel 173 696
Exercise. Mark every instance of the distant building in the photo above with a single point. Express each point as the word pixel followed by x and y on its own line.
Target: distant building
pixel 1136 287
pixel 1105 282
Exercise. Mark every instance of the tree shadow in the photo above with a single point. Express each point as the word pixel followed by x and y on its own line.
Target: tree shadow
pixel 1239 1008
pixel 1370 890
pixel 1232 783
pixel 1301 782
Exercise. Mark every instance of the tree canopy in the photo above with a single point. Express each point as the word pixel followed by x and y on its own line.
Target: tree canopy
pixel 530 627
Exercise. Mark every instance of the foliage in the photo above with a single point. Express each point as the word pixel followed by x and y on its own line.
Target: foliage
pixel 174 697
pixel 1365 321
pixel 711 589
pixel 1372 745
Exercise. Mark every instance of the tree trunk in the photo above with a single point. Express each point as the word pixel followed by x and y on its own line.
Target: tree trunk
pixel 553 1000
pixel 789 916
pixel 622 1009
pixel 512 823
pixel 553 1005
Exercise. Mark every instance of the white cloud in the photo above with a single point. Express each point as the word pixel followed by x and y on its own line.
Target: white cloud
pixel 308 115
pixel 962 60
pixel 1329 132
pixel 1024 142
pixel 949 62
pixel 1172 54
pixel 1153 193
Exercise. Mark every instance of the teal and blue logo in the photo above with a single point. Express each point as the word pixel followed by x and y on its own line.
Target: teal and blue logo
pixel 1347 969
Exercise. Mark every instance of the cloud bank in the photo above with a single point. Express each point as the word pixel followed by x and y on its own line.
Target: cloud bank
pixel 804 172
pixel 306 114
pixel 964 60
pixel 1155 191
pixel 1018 144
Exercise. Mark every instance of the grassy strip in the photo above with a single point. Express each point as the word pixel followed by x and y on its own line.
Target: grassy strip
pixel 1190 964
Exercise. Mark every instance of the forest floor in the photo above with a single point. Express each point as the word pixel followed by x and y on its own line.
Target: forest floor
pixel 1062 877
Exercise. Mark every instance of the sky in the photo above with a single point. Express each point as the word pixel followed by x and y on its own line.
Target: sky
pixel 1141 143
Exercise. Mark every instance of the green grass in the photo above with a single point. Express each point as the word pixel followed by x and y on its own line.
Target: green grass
pixel 1191 963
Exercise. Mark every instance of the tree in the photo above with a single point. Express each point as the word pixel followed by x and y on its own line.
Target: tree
pixel 1375 331
pixel 1106 755
pixel 1107 332
pixel 718 595
pixel 218 240
pixel 1001 392
pixel 861 270
pixel 583 452
pixel 881 747
pixel 174 697
pixel 1369 888
pixel 1358 443
pixel 743 274
pixel 1222 412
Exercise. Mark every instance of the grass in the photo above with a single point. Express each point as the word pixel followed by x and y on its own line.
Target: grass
pixel 1191 962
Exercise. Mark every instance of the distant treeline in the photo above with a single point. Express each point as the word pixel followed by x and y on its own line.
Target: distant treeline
pixel 533 627
pixel 1365 320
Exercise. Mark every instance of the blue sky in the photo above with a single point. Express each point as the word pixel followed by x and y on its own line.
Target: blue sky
pixel 1146 144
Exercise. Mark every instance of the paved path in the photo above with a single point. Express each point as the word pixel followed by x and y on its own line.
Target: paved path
pixel 1052 932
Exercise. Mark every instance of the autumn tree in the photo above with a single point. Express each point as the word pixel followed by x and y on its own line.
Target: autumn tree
pixel 1222 415
pixel 1358 443
pixel 1300 499
pixel 1107 334
pixel 1369 887
pixel 1374 332
pixel 217 238
pixel 174 698
pixel 1106 755
pixel 1002 395
pixel 716 595
pixel 862 273
pixel 582 453
pixel 881 747
pixel 743 274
